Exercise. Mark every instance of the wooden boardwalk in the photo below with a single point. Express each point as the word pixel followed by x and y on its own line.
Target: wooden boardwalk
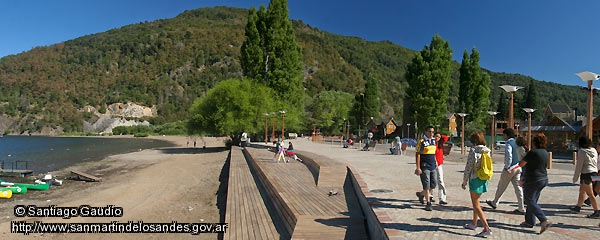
pixel 309 211
pixel 247 212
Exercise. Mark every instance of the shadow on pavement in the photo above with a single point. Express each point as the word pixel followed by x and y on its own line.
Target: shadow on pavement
pixel 193 150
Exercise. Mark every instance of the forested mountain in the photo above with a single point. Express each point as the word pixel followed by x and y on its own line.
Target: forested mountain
pixel 169 63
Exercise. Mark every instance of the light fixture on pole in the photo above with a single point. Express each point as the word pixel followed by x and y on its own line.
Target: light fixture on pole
pixel 408 132
pixel 589 77
pixel 266 128
pixel 462 134
pixel 493 130
pixel 529 112
pixel 282 125
pixel 511 91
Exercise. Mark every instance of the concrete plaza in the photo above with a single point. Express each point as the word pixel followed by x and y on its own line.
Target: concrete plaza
pixel 392 186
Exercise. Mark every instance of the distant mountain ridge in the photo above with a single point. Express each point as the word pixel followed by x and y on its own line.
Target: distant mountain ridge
pixel 169 63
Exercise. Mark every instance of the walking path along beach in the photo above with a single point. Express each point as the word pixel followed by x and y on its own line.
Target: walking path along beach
pixel 392 186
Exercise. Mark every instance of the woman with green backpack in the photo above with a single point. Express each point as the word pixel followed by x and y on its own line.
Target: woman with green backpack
pixel 476 175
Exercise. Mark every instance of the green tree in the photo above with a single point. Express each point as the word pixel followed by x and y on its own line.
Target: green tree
pixel 357 113
pixel 251 52
pixel 479 92
pixel 284 57
pixel 428 77
pixel 270 51
pixel 329 109
pixel 502 108
pixel 372 105
pixel 465 80
pixel 230 108
pixel 531 100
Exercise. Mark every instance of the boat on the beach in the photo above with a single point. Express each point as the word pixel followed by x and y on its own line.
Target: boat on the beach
pixel 15 189
pixel 29 186
pixel 5 193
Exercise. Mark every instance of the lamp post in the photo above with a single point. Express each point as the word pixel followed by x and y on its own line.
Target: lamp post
pixel 589 77
pixel 511 91
pixel 493 129
pixel 408 131
pixel 349 135
pixel 529 112
pixel 344 129
pixel 266 128
pixel 282 125
pixel 462 134
pixel 272 114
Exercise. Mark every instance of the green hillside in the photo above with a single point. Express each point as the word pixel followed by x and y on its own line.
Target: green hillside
pixel 169 63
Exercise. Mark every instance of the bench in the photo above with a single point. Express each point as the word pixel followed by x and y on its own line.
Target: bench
pixel 246 212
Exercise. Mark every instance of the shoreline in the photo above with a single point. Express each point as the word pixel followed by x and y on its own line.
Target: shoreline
pixel 164 184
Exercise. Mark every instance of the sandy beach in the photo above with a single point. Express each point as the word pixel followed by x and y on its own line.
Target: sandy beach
pixel 154 186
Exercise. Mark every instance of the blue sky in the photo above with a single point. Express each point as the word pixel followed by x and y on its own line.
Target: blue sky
pixel 548 40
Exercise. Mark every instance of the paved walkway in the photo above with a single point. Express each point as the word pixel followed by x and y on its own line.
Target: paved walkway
pixel 409 220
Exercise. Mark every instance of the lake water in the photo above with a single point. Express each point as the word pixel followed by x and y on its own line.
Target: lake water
pixel 43 154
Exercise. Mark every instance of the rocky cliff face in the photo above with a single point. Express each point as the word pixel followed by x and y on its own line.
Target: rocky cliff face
pixel 117 114
pixel 7 122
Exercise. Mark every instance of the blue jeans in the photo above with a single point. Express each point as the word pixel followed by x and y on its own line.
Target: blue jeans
pixel 531 195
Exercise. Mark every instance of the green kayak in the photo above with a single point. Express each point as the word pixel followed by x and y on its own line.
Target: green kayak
pixel 15 189
pixel 29 186
pixel 42 187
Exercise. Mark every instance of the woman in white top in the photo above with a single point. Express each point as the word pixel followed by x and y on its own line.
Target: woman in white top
pixel 587 166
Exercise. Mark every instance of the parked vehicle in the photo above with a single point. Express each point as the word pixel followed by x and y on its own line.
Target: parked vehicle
pixel 499 144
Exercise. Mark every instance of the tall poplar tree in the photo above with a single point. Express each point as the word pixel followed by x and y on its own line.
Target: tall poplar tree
pixel 428 77
pixel 372 97
pixel 277 60
pixel 252 54
pixel 284 57
pixel 464 80
pixel 531 100
pixel 474 91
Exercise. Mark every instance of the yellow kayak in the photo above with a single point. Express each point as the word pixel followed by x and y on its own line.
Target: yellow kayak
pixel 5 193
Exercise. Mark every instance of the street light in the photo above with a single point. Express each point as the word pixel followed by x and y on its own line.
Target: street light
pixel 266 128
pixel 511 91
pixel 282 125
pixel 493 129
pixel 529 112
pixel 589 77
pixel 272 114
pixel 462 145
pixel 408 132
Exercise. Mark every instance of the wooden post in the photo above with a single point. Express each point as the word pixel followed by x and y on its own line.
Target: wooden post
pixel 549 160
pixel 574 158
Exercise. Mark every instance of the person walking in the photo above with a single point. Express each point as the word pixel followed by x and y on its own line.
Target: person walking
pixel 510 173
pixel 587 160
pixel 426 166
pixel 534 178
pixel 439 158
pixel 477 186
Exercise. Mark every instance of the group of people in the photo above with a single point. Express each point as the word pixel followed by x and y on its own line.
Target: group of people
pixel 281 152
pixel 524 168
